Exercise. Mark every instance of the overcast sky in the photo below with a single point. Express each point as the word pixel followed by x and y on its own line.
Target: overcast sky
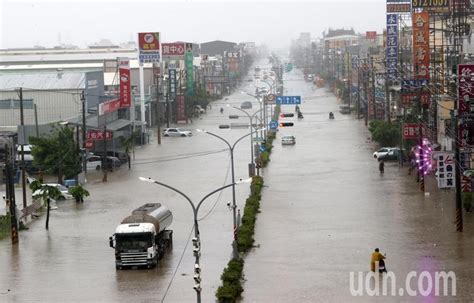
pixel 25 23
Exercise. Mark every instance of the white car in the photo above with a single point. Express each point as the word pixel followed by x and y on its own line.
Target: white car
pixel 382 152
pixel 288 140
pixel 176 132
pixel 63 189
pixel 94 163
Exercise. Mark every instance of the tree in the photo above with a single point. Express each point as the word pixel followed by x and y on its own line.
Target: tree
pixel 57 153
pixel 386 134
pixel 45 192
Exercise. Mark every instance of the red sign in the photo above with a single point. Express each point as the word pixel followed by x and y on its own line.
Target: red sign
pixel 98 135
pixel 109 106
pixel 89 144
pixel 371 35
pixel 421 45
pixel 125 90
pixel 176 49
pixel 398 7
pixel 408 98
pixel 411 131
pixel 149 42
pixel 181 108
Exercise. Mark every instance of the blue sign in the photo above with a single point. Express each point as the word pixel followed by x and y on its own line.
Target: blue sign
pixel 391 55
pixel 288 100
pixel 413 84
pixel 273 124
pixel 262 148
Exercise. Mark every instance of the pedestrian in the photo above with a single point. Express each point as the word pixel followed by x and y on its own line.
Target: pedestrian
pixel 377 257
pixel 381 167
pixel 222 110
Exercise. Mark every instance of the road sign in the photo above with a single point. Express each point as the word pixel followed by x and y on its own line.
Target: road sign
pixel 288 100
pixel 262 148
pixel 270 99
pixel 273 124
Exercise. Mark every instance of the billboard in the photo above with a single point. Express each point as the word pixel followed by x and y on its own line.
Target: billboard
pixel 109 106
pixel 446 169
pixel 189 69
pixel 392 46
pixel 125 87
pixel 465 107
pixel 421 46
pixel 172 50
pixel 149 47
pixel 181 108
pixel 172 83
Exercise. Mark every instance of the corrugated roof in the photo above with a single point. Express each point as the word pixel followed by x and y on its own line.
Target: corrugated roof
pixel 43 81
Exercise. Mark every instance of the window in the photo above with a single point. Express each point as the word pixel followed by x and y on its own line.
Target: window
pixel 6 104
pixel 15 103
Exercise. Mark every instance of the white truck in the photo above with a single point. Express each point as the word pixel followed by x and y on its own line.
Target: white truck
pixel 142 238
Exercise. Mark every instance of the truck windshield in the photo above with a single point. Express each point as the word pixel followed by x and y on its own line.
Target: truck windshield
pixel 133 241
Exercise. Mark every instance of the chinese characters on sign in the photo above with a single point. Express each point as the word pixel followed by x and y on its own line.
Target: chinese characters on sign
pixel 421 47
pixel 149 47
pixel 189 69
pixel 98 135
pixel 465 95
pixel 109 106
pixel 403 7
pixel 172 84
pixel 125 91
pixel 392 46
pixel 411 131
pixel 371 35
pixel 172 50
pixel 181 108
pixel 446 172
pixel 409 98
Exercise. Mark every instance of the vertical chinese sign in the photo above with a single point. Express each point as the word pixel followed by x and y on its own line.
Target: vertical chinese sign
pixel 392 46
pixel 124 74
pixel 149 47
pixel 189 69
pixel 172 84
pixel 421 46
pixel 181 109
pixel 465 95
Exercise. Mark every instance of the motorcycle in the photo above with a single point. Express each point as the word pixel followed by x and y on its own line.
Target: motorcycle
pixel 300 115
pixel 331 115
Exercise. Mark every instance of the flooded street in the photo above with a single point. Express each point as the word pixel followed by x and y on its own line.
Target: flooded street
pixel 324 209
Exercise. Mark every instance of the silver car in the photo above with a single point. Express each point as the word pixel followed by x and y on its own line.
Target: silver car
pixel 288 140
pixel 176 132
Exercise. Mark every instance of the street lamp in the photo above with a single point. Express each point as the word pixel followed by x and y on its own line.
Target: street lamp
pixel 252 160
pixel 234 206
pixel 261 102
pixel 196 240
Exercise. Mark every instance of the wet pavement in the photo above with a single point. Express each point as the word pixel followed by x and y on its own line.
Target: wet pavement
pixel 325 208
pixel 72 262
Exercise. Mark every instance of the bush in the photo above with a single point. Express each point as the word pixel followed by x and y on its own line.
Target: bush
pixel 5 227
pixel 231 288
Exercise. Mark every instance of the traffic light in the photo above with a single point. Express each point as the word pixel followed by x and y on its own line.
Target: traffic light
pixel 286 115
pixel 285 124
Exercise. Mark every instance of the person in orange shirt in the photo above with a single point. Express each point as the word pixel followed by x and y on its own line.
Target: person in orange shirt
pixel 377 257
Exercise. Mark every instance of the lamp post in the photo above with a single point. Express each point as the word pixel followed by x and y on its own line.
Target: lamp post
pixel 196 240
pixel 252 160
pixel 234 206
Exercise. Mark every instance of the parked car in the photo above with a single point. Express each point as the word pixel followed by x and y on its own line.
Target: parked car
pixel 344 109
pixel 288 140
pixel 382 151
pixel 246 105
pixel 63 189
pixel 393 155
pixel 110 153
pixel 176 132
pixel 94 163
pixel 199 109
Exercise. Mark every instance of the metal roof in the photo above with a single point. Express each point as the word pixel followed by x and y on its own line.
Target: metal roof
pixel 43 81
pixel 64 56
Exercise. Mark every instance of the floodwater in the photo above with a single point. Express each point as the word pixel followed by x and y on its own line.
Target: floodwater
pixel 325 208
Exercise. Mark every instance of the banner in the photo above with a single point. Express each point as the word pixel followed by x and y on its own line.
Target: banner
pixel 172 84
pixel 409 98
pixel 181 108
pixel 189 69
pixel 371 35
pixel 392 46
pixel 125 88
pixel 93 135
pixel 421 46
pixel 412 131
pixel 172 50
pixel 446 169
pixel 149 47
pixel 109 106
pixel 465 97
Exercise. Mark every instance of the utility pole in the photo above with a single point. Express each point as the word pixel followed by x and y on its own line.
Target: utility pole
pixel 457 171
pixel 10 194
pixel 372 82
pixel 358 87
pixel 23 172
pixel 104 161
pixel 158 122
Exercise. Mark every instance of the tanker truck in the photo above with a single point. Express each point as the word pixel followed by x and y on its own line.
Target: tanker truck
pixel 142 238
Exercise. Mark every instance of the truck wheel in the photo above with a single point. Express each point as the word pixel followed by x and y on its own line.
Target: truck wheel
pixel 170 240
pixel 118 267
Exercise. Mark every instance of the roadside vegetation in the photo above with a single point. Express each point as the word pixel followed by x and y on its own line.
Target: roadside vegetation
pixel 231 289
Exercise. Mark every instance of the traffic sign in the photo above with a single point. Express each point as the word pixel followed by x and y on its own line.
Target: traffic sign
pixel 270 98
pixel 273 124
pixel 288 100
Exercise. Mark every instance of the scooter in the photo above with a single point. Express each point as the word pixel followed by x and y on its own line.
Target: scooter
pixel 300 115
